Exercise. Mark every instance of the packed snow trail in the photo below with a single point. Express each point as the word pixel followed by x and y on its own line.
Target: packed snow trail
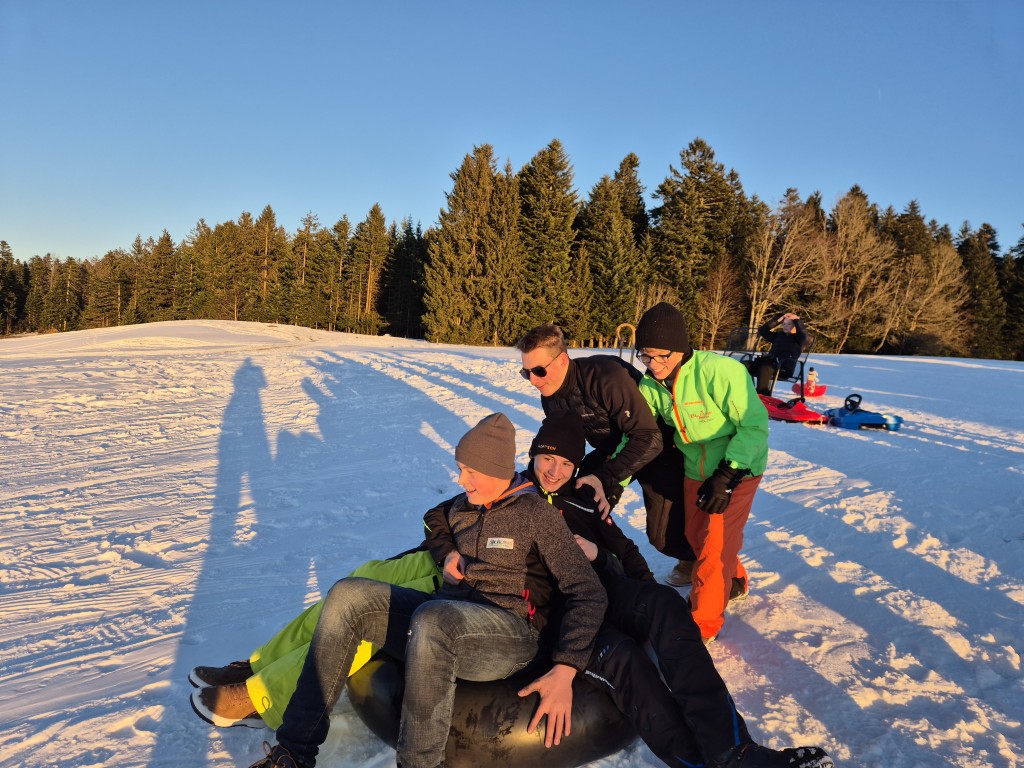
pixel 172 493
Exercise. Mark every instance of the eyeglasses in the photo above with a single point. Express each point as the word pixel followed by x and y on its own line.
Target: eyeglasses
pixel 659 359
pixel 540 371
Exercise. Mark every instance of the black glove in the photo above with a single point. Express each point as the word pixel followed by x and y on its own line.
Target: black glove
pixel 715 493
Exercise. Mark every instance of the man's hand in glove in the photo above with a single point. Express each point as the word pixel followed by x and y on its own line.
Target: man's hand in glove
pixel 715 493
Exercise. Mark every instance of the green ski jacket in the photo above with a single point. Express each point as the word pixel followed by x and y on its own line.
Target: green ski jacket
pixel 716 414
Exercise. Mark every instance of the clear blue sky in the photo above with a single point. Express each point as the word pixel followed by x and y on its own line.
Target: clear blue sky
pixel 124 118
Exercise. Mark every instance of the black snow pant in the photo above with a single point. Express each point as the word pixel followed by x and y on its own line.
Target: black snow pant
pixel 662 484
pixel 687 719
pixel 765 367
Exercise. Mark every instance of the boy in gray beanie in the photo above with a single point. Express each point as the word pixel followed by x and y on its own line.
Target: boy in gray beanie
pixel 485 623
pixel 490 447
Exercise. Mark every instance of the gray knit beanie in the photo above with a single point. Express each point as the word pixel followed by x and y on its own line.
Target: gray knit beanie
pixel 490 447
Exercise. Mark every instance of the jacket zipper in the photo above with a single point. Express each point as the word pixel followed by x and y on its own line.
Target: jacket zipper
pixel 675 411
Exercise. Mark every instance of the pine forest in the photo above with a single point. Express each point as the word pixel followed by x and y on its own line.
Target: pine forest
pixel 515 248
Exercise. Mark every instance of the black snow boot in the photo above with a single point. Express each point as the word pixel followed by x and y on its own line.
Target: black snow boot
pixel 277 757
pixel 752 755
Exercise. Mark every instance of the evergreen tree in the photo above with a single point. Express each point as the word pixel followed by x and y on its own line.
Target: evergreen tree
pixel 40 274
pixel 627 179
pixel 372 244
pixel 704 217
pixel 607 238
pixel 401 299
pixel 235 279
pixel 549 208
pixel 63 302
pixel 157 271
pixel 302 300
pixel 454 265
pixel 109 291
pixel 320 274
pixel 13 290
pixel 221 263
pixel 339 250
pixel 265 267
pixel 986 306
pixel 1011 274
pixel 500 303
pixel 582 313
pixel 193 291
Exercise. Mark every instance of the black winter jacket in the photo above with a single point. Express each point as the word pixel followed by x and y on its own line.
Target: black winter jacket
pixel 602 390
pixel 785 346
pixel 579 508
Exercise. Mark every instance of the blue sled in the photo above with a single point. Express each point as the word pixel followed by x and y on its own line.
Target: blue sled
pixel 851 416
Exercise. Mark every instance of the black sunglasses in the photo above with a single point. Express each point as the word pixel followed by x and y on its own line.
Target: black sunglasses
pixel 540 371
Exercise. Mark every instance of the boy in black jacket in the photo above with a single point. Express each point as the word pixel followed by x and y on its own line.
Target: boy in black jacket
pixel 688 718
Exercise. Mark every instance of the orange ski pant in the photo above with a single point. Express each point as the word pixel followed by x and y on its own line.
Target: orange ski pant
pixel 716 540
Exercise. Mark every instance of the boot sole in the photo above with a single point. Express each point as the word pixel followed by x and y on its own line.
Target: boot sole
pixel 250 721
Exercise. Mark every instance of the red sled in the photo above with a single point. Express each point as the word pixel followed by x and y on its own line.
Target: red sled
pixel 812 390
pixel 791 410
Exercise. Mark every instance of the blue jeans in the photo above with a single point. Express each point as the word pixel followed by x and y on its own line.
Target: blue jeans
pixel 440 640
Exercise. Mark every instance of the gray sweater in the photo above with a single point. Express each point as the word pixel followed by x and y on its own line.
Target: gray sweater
pixel 518 552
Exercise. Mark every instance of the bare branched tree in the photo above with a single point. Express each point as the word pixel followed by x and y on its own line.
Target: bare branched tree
pixel 782 260
pixel 928 302
pixel 718 304
pixel 856 278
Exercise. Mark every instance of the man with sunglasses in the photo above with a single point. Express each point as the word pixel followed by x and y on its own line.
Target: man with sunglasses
pixel 626 440
pixel 602 391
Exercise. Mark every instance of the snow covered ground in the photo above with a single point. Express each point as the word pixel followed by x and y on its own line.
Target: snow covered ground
pixel 170 494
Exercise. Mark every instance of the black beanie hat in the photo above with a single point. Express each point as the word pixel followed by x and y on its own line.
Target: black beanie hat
pixel 561 435
pixel 490 447
pixel 663 327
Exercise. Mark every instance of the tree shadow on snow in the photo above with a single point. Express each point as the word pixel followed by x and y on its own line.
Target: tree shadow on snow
pixel 903 643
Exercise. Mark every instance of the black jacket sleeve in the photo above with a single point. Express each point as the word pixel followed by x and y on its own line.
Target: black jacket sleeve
pixel 801 333
pixel 620 545
pixel 632 416
pixel 765 331
pixel 581 515
pixel 438 532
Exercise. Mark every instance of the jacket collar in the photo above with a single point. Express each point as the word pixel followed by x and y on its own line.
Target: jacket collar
pixel 670 380
pixel 570 380
pixel 520 485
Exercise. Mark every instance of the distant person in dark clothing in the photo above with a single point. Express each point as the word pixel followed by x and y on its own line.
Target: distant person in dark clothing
pixel 785 332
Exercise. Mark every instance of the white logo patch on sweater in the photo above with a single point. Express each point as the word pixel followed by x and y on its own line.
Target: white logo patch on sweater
pixel 497 543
